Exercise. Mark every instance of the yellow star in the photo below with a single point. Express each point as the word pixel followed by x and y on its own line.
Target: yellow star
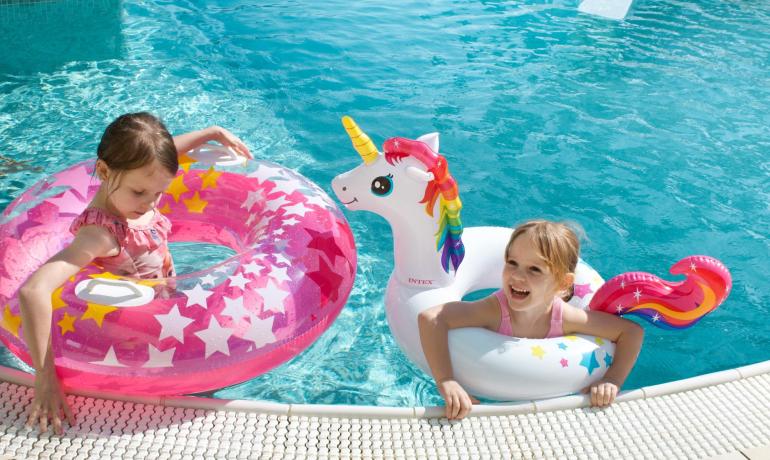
pixel 177 187
pixel 67 323
pixel 56 300
pixel 10 321
pixel 571 337
pixel 185 161
pixel 97 312
pixel 210 178
pixel 195 204
pixel 599 340
pixel 166 209
pixel 538 351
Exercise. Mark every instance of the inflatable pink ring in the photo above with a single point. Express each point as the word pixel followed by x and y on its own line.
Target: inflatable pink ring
pixel 292 273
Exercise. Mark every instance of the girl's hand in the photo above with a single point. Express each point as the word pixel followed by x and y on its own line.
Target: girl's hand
pixel 602 393
pixel 229 139
pixel 458 402
pixel 49 401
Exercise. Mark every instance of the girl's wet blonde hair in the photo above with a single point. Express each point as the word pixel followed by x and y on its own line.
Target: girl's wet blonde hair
pixel 557 243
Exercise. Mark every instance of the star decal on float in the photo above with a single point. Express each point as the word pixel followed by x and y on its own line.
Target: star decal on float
pixel 11 322
pixel 172 324
pixel 273 297
pixel 208 279
pixel 279 274
pixel 280 258
pixel 185 161
pixel 319 200
pixel 619 309
pixel 562 346
pixel 326 279
pixel 571 337
pixel 234 309
pixel 276 203
pixel 67 323
pixel 166 209
pixel 97 312
pixel 637 294
pixel 581 290
pixel 299 209
pixel 260 331
pixel 239 281
pixel 268 172
pixel 324 242
pixel 253 197
pixel 177 188
pixel 195 204
pixel 56 300
pixel 286 186
pixel 599 340
pixel 607 359
pixel 110 359
pixel 160 358
pixel 78 180
pixel 564 362
pixel 209 178
pixel 252 268
pixel 538 352
pixel 290 221
pixel 589 361
pixel 197 296
pixel 215 337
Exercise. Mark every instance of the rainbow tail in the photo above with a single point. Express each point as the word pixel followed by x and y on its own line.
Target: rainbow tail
pixel 665 304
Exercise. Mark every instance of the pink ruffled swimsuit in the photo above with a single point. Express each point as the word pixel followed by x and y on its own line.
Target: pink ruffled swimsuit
pixel 557 323
pixel 143 248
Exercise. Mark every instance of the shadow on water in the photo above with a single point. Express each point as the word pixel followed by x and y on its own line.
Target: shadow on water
pixel 44 35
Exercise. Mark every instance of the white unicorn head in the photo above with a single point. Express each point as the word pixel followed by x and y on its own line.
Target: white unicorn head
pixel 410 186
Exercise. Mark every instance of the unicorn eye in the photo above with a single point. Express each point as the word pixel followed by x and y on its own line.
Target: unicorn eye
pixel 383 185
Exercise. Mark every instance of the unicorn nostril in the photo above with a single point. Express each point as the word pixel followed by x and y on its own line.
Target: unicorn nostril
pixel 344 189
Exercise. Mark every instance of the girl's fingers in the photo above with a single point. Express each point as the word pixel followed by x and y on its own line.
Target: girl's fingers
pixel 68 413
pixel 32 417
pixel 56 424
pixel 43 422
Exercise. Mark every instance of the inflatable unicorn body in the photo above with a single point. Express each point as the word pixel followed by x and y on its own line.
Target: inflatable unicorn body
pixel 437 260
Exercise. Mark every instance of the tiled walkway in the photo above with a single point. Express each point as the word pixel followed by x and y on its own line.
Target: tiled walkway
pixel 724 415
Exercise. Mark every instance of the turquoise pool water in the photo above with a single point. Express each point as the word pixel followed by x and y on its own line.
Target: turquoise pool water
pixel 652 133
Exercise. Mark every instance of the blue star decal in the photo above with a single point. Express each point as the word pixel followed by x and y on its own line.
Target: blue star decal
pixel 607 360
pixel 589 361
pixel 563 346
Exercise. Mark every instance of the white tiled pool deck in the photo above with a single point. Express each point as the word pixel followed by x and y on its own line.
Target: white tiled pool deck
pixel 725 415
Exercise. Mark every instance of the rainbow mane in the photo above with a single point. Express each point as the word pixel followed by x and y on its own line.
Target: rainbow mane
pixel 443 188
pixel 663 303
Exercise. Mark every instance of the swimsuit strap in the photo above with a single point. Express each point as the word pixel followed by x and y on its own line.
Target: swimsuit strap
pixel 557 321
pixel 505 318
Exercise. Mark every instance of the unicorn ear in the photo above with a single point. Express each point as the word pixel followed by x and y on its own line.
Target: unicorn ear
pixel 418 174
pixel 431 139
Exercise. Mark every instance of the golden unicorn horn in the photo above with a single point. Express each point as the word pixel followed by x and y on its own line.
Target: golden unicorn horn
pixel 361 142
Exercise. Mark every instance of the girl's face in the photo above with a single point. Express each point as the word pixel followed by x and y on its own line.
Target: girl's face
pixel 136 192
pixel 527 281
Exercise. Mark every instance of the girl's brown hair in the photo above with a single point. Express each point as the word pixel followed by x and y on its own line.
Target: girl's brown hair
pixel 134 140
pixel 557 243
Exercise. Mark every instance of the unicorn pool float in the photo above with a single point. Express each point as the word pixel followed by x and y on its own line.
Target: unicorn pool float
pixel 291 274
pixel 437 260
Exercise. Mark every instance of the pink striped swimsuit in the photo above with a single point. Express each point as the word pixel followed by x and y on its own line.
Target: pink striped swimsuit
pixel 143 248
pixel 557 307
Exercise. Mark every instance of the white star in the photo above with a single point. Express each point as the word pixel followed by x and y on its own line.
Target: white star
pixel 234 308
pixel 254 197
pixel 265 172
pixel 289 221
pixel 298 209
pixel 286 186
pixel 251 219
pixel 320 200
pixel 160 358
pixel 252 267
pixel 278 232
pixel 693 267
pixel 260 331
pixel 281 259
pixel 276 203
pixel 279 273
pixel 208 279
pixel 215 338
pixel 238 280
pixel 172 324
pixel 110 359
pixel 637 294
pixel 622 284
pixel 619 308
pixel 197 296
pixel 273 297
pixel 655 318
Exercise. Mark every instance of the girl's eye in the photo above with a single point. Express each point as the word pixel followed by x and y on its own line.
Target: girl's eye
pixel 138 193
pixel 512 263
pixel 535 270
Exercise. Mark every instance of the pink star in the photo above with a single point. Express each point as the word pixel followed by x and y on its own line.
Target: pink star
pixel 564 362
pixel 581 290
pixel 79 179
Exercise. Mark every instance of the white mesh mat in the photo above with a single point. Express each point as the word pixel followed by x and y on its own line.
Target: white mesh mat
pixel 702 422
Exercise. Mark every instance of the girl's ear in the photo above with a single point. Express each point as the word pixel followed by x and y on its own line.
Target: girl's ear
pixel 102 170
